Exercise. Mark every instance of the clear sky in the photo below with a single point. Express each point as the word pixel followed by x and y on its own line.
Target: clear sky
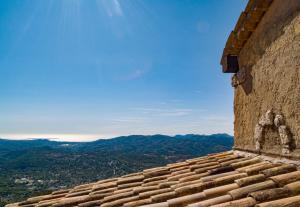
pixel 87 69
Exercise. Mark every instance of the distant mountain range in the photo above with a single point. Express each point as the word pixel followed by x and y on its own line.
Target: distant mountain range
pixel 29 167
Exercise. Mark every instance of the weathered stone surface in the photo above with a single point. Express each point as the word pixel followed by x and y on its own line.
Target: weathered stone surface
pixel 271 60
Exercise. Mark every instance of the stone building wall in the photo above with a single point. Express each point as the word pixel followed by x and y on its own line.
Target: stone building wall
pixel 270 67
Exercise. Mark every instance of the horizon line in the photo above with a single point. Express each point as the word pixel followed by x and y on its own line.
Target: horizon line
pixel 91 139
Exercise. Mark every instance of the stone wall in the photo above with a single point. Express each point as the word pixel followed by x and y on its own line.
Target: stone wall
pixel 270 75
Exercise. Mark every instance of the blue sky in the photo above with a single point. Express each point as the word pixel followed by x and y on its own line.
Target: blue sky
pixel 87 69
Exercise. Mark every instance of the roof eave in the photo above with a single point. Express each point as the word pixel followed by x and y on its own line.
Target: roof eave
pixel 245 26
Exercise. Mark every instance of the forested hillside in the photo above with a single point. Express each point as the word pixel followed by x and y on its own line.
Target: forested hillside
pixel 36 166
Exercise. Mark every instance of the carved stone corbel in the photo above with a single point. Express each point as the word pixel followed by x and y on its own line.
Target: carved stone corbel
pixel 234 81
pixel 285 139
pixel 258 136
pixel 268 119
pixel 238 78
pixel 278 121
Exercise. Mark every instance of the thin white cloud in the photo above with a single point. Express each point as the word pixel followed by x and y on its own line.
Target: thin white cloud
pixel 133 75
pixel 162 103
pixel 117 8
pixel 165 112
pixel 176 113
pixel 176 101
pixel 112 7
pixel 128 120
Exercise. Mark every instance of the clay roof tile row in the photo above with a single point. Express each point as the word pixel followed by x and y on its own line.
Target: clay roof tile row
pixel 218 180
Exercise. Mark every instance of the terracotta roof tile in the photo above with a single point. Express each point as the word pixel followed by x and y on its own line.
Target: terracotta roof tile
pixel 218 180
pixel 289 202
